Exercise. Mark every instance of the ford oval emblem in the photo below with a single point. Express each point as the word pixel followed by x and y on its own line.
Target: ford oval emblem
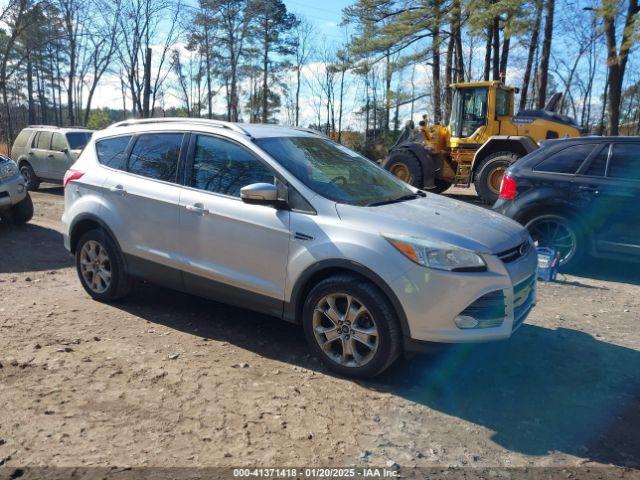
pixel 523 248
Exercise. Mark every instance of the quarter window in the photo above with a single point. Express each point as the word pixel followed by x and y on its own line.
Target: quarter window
pixel 111 151
pixel 22 139
pixel 156 156
pixel 567 160
pixel 223 167
pixel 625 161
pixel 44 141
pixel 34 142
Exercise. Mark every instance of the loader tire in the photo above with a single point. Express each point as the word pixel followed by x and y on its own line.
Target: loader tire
pixel 404 165
pixel 489 175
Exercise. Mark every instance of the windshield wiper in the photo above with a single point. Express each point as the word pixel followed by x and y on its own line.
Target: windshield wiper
pixel 403 198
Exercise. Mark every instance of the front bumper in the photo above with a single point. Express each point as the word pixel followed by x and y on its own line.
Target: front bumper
pixel 433 299
pixel 12 191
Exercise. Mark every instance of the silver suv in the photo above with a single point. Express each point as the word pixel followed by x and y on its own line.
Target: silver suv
pixel 45 153
pixel 15 203
pixel 287 222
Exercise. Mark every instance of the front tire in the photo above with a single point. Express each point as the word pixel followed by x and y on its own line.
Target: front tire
pixel 101 268
pixel 31 181
pixel 403 164
pixel 489 175
pixel 22 211
pixel 351 326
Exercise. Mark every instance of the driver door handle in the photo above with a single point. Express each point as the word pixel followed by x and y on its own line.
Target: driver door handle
pixel 197 208
pixel 119 189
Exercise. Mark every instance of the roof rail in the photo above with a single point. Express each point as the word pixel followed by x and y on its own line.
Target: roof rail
pixel 203 121
pixel 310 130
pixel 58 127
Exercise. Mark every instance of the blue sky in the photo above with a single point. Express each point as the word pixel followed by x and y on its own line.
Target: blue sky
pixel 325 14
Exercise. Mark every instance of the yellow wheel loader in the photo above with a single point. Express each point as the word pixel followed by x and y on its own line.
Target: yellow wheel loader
pixel 483 139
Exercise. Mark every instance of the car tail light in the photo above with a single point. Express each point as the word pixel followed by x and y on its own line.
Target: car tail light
pixel 71 175
pixel 508 188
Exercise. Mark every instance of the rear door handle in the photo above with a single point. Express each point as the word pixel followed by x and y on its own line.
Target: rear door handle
pixel 119 189
pixel 50 155
pixel 588 188
pixel 197 208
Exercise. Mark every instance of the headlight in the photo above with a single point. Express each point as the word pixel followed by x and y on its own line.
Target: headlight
pixel 435 254
pixel 8 170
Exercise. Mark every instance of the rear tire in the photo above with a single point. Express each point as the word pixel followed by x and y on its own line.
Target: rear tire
pixel 31 181
pixel 489 175
pixel 363 337
pixel 556 231
pixel 404 165
pixel 22 211
pixel 101 268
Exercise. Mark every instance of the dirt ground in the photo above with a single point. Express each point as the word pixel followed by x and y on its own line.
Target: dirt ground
pixel 166 379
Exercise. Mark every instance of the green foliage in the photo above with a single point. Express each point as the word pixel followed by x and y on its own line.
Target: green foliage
pixel 99 119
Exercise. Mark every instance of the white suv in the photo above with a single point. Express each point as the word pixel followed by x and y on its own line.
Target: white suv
pixel 289 223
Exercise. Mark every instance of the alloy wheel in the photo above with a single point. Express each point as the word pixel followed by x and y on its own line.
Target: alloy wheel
pixel 554 232
pixel 345 330
pixel 95 266
pixel 26 176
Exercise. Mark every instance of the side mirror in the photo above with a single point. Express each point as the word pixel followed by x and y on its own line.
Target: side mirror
pixel 260 194
pixel 65 150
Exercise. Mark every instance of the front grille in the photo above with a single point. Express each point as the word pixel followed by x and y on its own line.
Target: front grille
pixel 488 310
pixel 514 253
pixel 523 295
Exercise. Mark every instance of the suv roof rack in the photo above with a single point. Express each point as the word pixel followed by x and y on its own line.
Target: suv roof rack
pixel 203 121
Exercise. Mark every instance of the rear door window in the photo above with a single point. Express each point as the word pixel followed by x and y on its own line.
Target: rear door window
pixel 44 141
pixel 111 152
pixel 598 165
pixel 155 155
pixel 625 161
pixel 58 143
pixel 567 160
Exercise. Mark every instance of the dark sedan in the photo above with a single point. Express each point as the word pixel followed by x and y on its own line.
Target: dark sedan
pixel 579 196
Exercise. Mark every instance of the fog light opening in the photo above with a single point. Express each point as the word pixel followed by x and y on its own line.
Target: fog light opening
pixel 465 321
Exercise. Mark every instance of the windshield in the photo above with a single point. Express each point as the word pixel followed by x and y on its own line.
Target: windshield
pixel 334 171
pixel 78 140
pixel 469 111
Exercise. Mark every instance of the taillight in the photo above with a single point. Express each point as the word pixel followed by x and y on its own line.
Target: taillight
pixel 71 175
pixel 508 188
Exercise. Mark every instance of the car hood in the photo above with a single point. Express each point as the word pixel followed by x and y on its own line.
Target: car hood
pixel 440 218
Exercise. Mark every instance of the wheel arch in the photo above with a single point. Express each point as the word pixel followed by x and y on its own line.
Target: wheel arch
pixel 326 268
pixel 22 160
pixel 518 144
pixel 84 223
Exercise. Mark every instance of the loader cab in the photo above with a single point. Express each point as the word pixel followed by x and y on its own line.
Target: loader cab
pixel 481 104
pixel 468 110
